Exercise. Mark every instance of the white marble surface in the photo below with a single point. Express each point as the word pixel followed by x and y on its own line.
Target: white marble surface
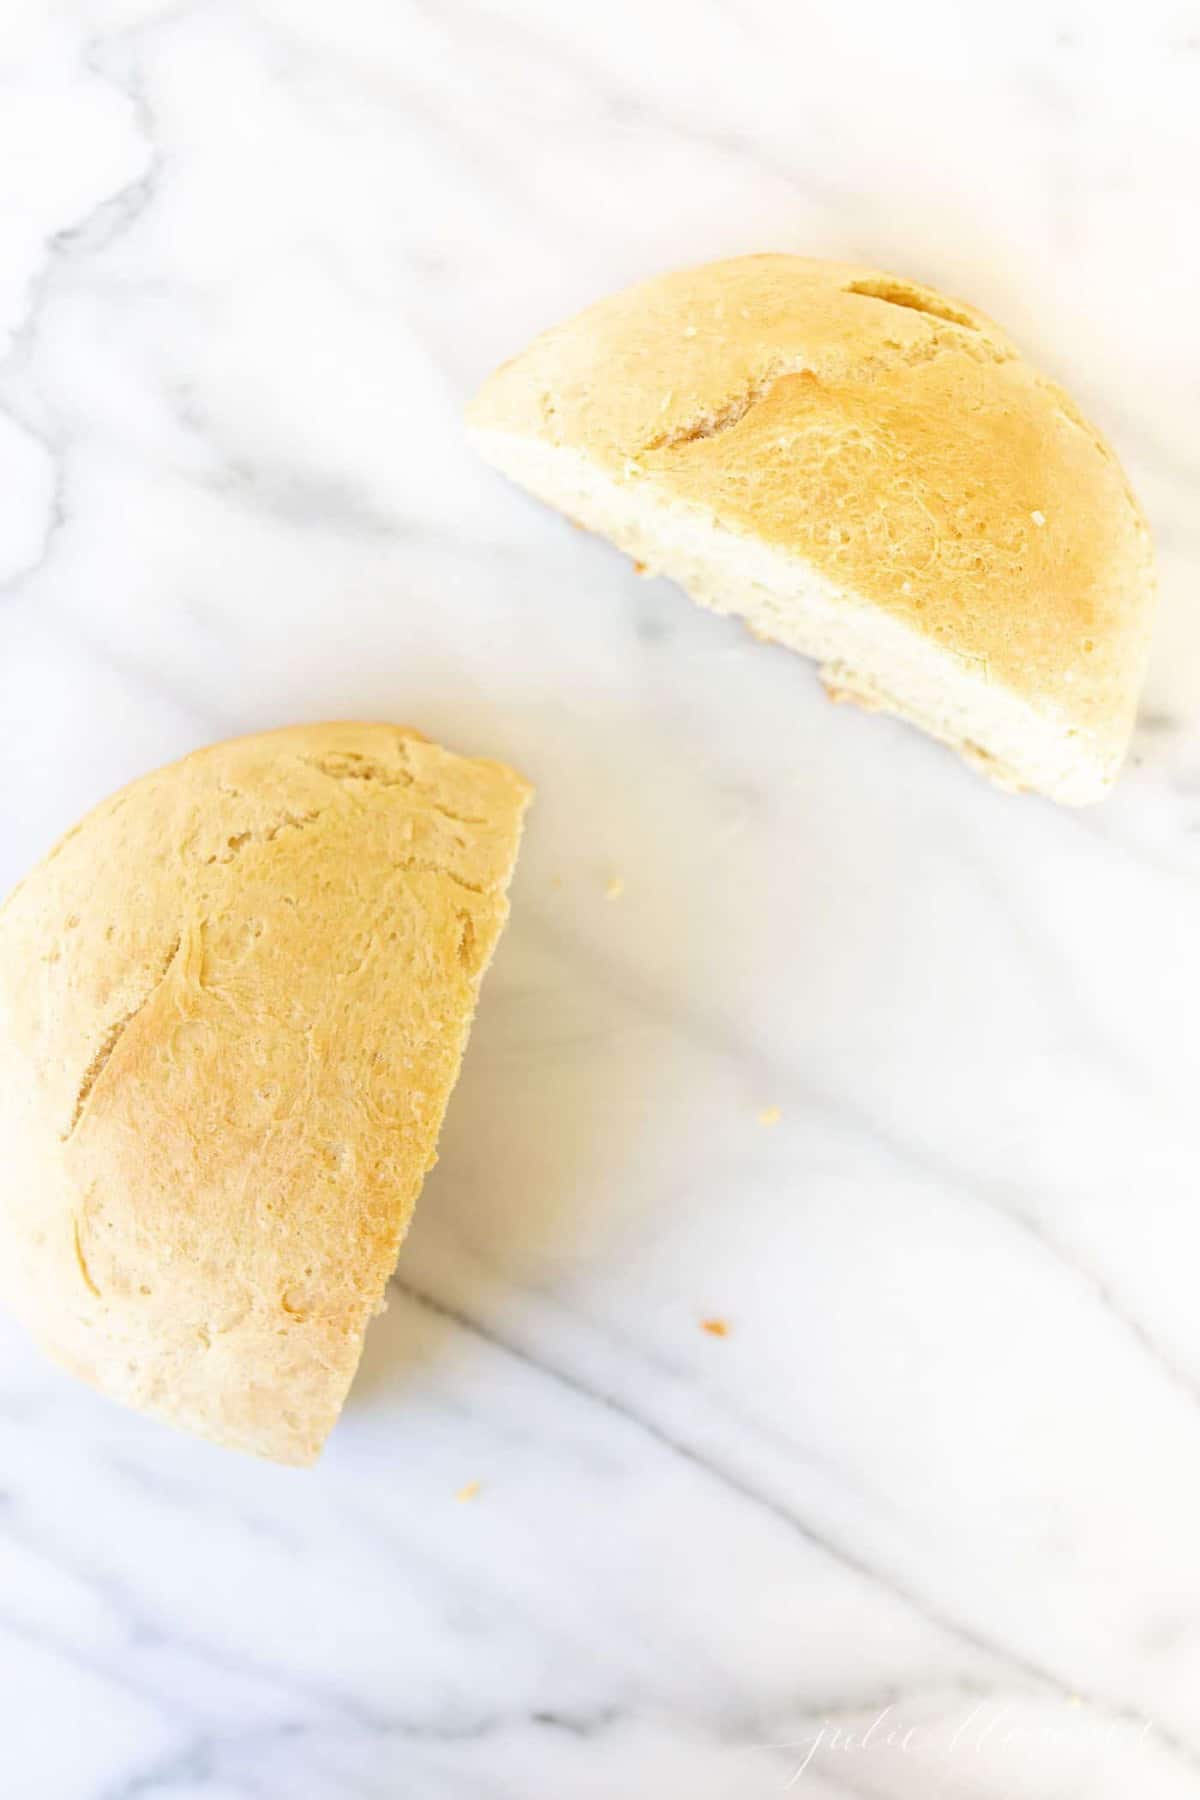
pixel 944 1471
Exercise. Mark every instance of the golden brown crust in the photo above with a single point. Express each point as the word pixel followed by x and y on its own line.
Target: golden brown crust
pixel 893 439
pixel 232 1007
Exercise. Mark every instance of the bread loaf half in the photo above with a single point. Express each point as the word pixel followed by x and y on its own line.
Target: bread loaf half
pixel 233 1002
pixel 867 472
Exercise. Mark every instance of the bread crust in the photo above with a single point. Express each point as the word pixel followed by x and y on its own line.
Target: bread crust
pixel 233 1002
pixel 891 438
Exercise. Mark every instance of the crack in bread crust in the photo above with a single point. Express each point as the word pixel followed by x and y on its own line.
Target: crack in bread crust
pixel 710 425
pixel 112 1038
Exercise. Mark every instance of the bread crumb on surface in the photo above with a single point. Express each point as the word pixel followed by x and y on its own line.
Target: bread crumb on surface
pixel 470 1491
pixel 1039 518
pixel 770 1115
pixel 850 696
pixel 615 888
pixel 715 1327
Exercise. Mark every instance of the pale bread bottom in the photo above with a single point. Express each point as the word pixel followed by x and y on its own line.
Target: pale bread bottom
pixel 865 654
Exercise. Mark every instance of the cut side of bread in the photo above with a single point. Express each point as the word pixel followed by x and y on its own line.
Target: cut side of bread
pixel 866 472
pixel 233 1004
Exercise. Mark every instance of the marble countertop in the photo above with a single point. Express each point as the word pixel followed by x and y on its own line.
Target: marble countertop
pixel 922 1525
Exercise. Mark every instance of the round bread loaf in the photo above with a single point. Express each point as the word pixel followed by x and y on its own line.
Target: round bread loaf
pixel 867 472
pixel 233 1002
